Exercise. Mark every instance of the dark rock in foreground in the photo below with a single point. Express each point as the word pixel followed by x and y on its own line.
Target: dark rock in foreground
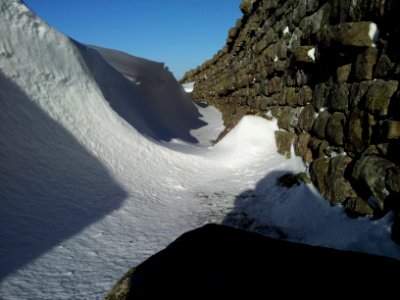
pixel 219 261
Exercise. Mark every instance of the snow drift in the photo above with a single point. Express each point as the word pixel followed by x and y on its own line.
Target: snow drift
pixel 91 182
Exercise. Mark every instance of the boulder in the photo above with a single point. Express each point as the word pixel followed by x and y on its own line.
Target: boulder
pixel 358 133
pixel 319 174
pixel 303 177
pixel 284 141
pixel 363 68
pixel 354 34
pixel 393 180
pixel 294 42
pixel 122 288
pixel 312 24
pixel 321 94
pixel 302 141
pixel 320 122
pixel 299 12
pixel 247 6
pixel 290 96
pixel 339 97
pixel 342 73
pixel 308 157
pixel 393 132
pixel 357 207
pixel 313 5
pixel 379 95
pixel 335 127
pixel 274 85
pixel 318 147
pixel 370 173
pixel 338 188
pixel 383 67
pixel 217 261
pixel 328 175
pixel 357 92
pixel 305 54
pixel 306 118
pixel 305 95
pixel 287 117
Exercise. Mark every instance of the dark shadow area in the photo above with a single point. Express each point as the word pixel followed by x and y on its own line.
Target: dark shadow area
pixel 246 214
pixel 202 104
pixel 144 93
pixel 220 261
pixel 51 188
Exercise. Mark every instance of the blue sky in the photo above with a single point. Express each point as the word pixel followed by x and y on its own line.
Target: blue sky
pixel 181 33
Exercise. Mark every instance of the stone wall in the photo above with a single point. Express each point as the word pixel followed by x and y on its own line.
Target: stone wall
pixel 328 71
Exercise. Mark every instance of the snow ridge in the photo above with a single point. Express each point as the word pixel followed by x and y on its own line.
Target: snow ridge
pixel 104 161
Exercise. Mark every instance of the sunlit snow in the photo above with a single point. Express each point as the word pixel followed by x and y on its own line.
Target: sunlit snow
pixel 188 87
pixel 105 160
pixel 311 53
pixel 373 33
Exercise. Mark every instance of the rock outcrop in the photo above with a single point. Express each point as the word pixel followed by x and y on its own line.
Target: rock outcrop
pixel 329 72
pixel 216 261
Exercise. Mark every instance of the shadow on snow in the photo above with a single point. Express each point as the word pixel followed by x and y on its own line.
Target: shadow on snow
pixel 51 188
pixel 144 93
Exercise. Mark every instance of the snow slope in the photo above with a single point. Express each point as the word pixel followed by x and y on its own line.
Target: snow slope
pixel 104 161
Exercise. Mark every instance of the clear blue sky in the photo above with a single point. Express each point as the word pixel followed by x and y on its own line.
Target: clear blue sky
pixel 181 33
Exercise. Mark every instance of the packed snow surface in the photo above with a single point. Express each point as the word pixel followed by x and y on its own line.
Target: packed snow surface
pixel 373 33
pixel 188 87
pixel 105 160
pixel 286 30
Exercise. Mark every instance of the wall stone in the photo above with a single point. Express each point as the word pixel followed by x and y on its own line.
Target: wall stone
pixel 328 70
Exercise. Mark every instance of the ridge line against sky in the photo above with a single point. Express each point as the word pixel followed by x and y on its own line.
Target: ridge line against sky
pixel 181 33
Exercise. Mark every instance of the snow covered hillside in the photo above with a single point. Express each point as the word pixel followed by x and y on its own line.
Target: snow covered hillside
pixel 104 160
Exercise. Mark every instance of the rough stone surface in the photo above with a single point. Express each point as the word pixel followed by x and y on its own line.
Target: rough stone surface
pixel 318 147
pixel 370 171
pixel 342 73
pixel 393 180
pixel 338 188
pixel 357 92
pixel 301 144
pixel 383 67
pixel 352 34
pixel 338 97
pixel 306 118
pixel 305 54
pixel 365 64
pixel 229 263
pixel 357 207
pixel 350 81
pixel 335 127
pixel 321 94
pixel 303 177
pixel 319 173
pixel 305 95
pixel 319 127
pixel 284 142
pixel 122 288
pixel 358 132
pixel 247 6
pixel 393 130
pixel 288 118
pixel 379 95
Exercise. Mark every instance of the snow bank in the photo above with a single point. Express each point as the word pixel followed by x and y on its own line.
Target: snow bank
pixel 88 187
pixel 188 87
pixel 311 53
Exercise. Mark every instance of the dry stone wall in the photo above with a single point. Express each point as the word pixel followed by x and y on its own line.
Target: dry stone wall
pixel 329 72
